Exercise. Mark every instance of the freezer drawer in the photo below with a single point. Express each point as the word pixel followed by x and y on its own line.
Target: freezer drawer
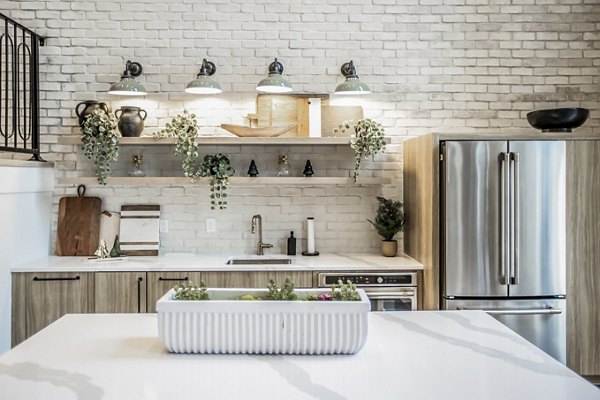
pixel 542 322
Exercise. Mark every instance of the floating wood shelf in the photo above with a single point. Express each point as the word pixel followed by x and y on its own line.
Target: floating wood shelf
pixel 222 140
pixel 237 181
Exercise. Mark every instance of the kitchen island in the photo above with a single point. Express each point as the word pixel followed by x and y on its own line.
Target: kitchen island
pixel 410 355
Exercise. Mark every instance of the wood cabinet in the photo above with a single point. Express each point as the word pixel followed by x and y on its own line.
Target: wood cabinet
pixel 421 238
pixel 120 292
pixel 160 283
pixel 38 299
pixel 583 256
pixel 255 279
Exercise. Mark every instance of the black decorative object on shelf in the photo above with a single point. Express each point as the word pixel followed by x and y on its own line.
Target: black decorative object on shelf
pixel 131 121
pixel 252 169
pixel 558 119
pixel 308 169
pixel 89 107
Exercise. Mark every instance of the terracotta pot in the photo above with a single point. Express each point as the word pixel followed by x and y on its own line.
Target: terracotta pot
pixel 389 248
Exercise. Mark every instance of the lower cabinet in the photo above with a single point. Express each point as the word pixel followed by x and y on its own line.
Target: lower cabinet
pixel 160 283
pixel 120 292
pixel 38 299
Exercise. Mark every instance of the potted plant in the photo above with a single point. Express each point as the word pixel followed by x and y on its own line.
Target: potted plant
pixel 100 141
pixel 390 220
pixel 367 141
pixel 275 320
pixel 217 167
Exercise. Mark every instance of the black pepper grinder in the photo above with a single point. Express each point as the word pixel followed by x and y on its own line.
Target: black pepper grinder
pixel 291 245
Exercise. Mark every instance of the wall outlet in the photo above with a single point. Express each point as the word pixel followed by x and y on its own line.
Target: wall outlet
pixel 163 226
pixel 211 225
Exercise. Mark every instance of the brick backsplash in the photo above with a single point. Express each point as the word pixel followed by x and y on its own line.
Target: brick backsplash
pixel 454 66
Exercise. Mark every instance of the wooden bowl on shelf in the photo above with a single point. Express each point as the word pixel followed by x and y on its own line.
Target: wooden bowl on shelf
pixel 246 131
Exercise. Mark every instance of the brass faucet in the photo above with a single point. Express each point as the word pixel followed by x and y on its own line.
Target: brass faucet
pixel 257 220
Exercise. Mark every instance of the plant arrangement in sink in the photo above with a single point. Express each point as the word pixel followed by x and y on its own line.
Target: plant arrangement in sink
pixel 390 220
pixel 217 167
pixel 275 320
pixel 367 141
pixel 100 141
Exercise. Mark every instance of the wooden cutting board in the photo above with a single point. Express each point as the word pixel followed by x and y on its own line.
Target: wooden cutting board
pixel 333 116
pixel 78 229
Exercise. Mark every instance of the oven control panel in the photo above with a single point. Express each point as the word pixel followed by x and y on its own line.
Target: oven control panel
pixel 369 279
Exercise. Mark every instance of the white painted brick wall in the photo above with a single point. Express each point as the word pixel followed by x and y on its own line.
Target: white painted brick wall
pixel 455 66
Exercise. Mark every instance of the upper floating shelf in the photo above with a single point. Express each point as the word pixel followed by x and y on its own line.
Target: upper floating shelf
pixel 222 140
pixel 236 181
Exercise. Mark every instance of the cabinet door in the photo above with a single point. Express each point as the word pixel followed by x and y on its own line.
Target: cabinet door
pixel 255 279
pixel 38 299
pixel 160 283
pixel 583 257
pixel 120 292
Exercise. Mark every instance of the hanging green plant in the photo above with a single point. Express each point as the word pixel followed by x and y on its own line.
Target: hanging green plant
pixel 100 141
pixel 367 141
pixel 218 168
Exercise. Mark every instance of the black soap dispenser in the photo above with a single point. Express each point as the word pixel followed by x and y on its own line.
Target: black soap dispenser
pixel 291 245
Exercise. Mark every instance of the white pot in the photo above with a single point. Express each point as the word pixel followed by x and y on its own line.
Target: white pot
pixel 222 325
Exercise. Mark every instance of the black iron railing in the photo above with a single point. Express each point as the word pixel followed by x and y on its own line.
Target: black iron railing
pixel 19 88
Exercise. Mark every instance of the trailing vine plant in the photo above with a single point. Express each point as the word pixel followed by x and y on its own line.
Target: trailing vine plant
pixel 217 167
pixel 100 141
pixel 367 141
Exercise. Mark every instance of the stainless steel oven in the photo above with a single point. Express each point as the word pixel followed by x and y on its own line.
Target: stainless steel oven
pixel 388 291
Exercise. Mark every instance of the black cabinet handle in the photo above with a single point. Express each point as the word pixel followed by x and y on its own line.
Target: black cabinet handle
pixel 76 278
pixel 139 293
pixel 160 278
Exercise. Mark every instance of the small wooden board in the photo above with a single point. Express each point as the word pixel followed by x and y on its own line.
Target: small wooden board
pixel 333 116
pixel 139 230
pixel 78 228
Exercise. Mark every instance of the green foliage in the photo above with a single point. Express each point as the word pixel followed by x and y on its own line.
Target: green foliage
pixel 189 291
pixel 285 293
pixel 390 218
pixel 345 292
pixel 367 141
pixel 217 167
pixel 100 141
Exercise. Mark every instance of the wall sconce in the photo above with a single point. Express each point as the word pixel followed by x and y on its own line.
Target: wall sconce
pixel 352 85
pixel 127 86
pixel 204 84
pixel 274 82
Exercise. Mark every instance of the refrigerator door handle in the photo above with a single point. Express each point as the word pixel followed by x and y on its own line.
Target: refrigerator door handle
pixel 504 217
pixel 514 276
pixel 515 311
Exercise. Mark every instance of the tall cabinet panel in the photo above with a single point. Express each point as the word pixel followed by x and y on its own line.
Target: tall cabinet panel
pixel 583 256
pixel 120 292
pixel 38 299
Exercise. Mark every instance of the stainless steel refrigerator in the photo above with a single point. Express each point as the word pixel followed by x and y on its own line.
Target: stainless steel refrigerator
pixel 503 227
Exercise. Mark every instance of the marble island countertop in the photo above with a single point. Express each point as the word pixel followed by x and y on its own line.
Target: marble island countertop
pixel 323 262
pixel 408 355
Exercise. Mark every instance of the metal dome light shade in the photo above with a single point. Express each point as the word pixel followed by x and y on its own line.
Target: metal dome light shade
pixel 204 84
pixel 353 84
pixel 274 82
pixel 127 86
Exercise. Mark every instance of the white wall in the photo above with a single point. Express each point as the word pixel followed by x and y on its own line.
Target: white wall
pixel 25 231
pixel 456 66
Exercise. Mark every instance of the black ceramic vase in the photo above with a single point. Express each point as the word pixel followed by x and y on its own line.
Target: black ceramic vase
pixel 88 107
pixel 131 121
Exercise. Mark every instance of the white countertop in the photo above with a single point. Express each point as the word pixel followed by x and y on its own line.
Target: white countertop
pixel 408 355
pixel 323 262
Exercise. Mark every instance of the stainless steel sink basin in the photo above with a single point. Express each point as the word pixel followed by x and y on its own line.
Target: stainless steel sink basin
pixel 258 261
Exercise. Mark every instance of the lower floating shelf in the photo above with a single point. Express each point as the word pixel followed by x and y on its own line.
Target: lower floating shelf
pixel 238 181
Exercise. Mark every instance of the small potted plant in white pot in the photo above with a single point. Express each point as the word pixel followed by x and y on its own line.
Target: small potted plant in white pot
pixel 390 220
